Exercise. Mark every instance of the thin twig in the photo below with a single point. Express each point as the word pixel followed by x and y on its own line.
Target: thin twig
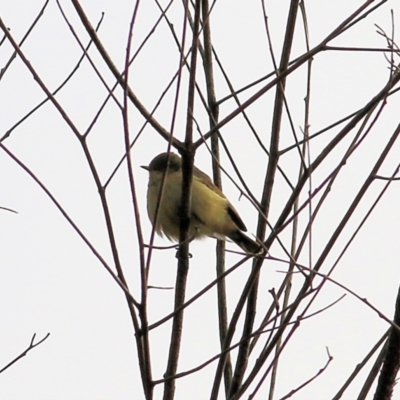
pixel 142 341
pixel 31 346
pixel 119 77
pixel 28 32
pixel 187 177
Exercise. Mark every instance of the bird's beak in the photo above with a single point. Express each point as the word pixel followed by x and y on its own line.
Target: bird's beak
pixel 145 167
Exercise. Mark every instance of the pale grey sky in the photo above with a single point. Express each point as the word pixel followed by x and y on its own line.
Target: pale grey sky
pixel 50 280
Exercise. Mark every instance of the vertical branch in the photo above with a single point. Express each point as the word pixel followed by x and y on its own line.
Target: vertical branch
pixel 142 338
pixel 213 109
pixel 183 252
pixel 293 251
pixel 391 363
pixel 266 196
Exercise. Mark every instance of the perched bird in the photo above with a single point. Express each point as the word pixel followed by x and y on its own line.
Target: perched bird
pixel 211 212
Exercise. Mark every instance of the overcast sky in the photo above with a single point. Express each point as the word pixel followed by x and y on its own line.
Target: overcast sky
pixel 51 282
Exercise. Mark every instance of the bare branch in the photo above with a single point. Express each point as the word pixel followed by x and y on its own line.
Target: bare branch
pixel 31 346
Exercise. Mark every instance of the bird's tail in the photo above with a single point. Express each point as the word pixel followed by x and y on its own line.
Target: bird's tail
pixel 248 245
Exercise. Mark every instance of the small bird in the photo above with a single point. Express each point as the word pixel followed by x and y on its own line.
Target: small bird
pixel 211 213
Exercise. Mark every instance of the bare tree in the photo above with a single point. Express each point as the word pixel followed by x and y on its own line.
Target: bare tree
pixel 313 189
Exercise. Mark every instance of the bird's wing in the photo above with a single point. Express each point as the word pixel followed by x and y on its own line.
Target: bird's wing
pixel 206 180
pixel 236 218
